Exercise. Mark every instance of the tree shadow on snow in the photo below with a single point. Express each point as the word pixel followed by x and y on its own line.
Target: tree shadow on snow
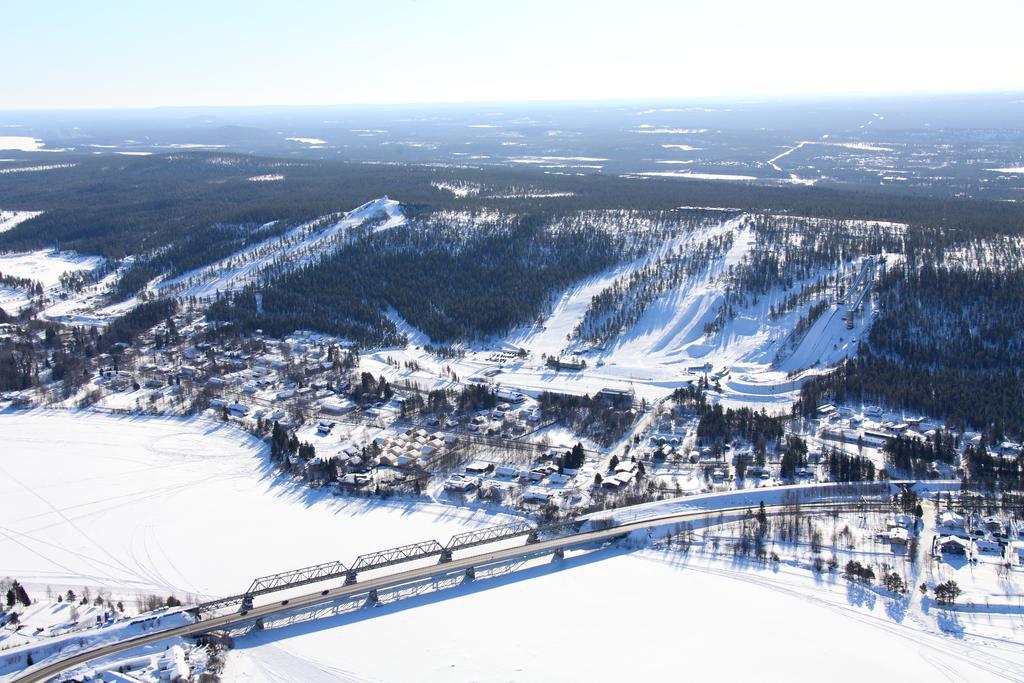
pixel 859 595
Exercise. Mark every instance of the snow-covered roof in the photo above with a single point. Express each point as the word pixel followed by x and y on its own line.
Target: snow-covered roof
pixel 949 518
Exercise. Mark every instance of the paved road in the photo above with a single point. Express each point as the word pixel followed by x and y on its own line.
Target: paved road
pixel 418 574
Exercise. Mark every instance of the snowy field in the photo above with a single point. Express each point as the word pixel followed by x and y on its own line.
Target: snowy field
pixel 89 306
pixel 175 505
pixel 20 143
pixel 611 616
pixel 13 300
pixel 46 265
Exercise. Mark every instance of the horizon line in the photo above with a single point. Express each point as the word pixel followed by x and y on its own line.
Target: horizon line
pixel 752 98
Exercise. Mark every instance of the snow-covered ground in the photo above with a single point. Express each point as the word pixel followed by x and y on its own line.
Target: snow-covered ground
pixel 175 505
pixel 690 175
pixel 644 616
pixel 668 346
pixel 46 265
pixel 35 169
pixel 312 142
pixel 57 634
pixel 459 189
pixel 570 308
pixel 90 306
pixel 13 299
pixel 21 143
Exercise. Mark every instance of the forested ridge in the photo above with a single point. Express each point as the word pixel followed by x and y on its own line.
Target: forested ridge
pixel 452 283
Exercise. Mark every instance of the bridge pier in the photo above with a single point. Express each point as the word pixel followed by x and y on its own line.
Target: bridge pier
pixel 372 597
pixel 446 556
pixel 470 573
pixel 350 577
pixel 532 537
pixel 559 553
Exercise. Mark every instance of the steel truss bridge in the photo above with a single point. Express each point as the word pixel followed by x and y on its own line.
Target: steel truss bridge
pixel 412 552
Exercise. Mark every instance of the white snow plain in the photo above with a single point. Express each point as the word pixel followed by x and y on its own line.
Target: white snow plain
pixel 695 176
pixel 21 143
pixel 609 616
pixel 176 505
pixel 46 265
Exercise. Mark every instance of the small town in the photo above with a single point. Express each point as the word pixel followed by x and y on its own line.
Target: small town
pixel 438 342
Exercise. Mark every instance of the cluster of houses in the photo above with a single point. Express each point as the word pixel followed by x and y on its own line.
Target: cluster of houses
pixel 972 535
pixel 674 440
pixel 871 428
pixel 234 409
pixel 413 447
pixel 1007 449
pixel 621 476
pixel 231 373
pixel 354 457
pixel 539 484
pixel 349 458
pixel 504 420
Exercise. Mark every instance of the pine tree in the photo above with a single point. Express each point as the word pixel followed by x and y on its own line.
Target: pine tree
pixel 22 594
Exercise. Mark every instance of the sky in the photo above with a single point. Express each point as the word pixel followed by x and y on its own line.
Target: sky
pixel 118 53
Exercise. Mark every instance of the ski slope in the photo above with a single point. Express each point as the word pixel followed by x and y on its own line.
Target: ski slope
pixel 553 336
pixel 668 346
pixel 11 219
pixel 753 356
pixel 827 342
pixel 293 249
